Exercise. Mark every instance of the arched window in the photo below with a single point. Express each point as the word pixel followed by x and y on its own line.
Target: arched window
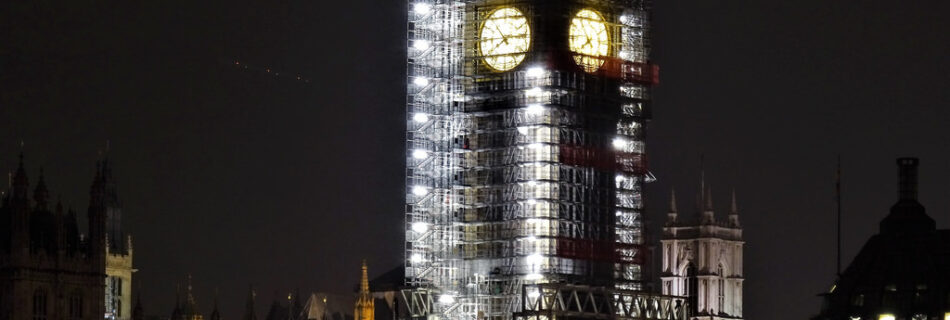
pixel 75 305
pixel 722 288
pixel 692 289
pixel 39 304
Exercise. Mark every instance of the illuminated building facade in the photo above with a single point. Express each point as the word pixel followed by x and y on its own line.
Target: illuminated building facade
pixel 525 151
pixel 702 260
pixel 901 273
pixel 118 282
pixel 47 269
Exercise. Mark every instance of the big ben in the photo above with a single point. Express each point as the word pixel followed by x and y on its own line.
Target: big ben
pixel 525 151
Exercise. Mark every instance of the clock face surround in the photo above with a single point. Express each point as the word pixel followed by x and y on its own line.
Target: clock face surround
pixel 504 38
pixel 588 39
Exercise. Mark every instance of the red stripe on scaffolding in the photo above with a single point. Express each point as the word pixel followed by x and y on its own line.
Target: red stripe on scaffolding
pixel 583 156
pixel 600 250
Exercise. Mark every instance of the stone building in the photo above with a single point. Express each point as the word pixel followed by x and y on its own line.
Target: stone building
pixel 702 260
pixel 48 270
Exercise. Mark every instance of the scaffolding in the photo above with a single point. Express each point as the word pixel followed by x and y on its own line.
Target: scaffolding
pixel 523 177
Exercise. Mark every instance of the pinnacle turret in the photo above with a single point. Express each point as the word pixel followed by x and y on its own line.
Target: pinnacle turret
pixel 672 215
pixel 41 193
pixel 734 211
pixel 249 312
pixel 215 314
pixel 708 213
pixel 364 309
pixel 20 184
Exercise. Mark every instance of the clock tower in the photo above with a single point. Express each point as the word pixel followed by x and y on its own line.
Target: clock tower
pixel 525 151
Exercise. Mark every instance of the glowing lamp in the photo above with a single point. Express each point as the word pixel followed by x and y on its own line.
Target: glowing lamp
pixel 446 299
pixel 534 91
pixel 420 190
pixel 420 154
pixel 420 81
pixel 421 45
pixel 535 72
pixel 534 259
pixel 420 117
pixel 420 227
pixel 535 109
pixel 422 8
pixel 619 143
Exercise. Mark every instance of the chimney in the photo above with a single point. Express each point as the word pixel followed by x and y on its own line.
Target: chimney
pixel 907 187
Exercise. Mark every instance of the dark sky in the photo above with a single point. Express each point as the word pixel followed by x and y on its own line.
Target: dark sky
pixel 241 177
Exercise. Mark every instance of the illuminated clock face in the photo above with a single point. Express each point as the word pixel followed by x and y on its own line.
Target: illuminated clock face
pixel 504 38
pixel 588 39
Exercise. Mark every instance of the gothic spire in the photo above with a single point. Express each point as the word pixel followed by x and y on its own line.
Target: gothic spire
pixel 176 313
pixel 364 309
pixel 672 200
pixel 249 312
pixel 364 281
pixel 41 193
pixel 215 315
pixel 708 213
pixel 137 312
pixel 20 183
pixel 734 209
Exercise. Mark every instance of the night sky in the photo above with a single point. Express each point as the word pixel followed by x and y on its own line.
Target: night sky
pixel 239 176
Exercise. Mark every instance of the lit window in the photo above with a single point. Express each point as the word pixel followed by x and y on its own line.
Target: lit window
pixel 887 316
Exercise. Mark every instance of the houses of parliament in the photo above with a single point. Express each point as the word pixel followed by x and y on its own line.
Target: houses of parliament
pixel 49 268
